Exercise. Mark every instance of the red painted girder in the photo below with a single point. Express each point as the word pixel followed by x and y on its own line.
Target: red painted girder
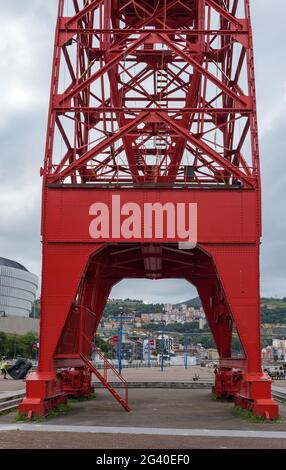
pixel 65 99
pixel 225 14
pixel 131 31
pixel 117 100
pixel 242 100
pixel 98 148
pixel 68 22
pixel 250 181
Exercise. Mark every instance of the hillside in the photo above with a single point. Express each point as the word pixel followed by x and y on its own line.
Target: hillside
pixel 195 302
pixel 273 303
pixel 115 306
pixel 273 311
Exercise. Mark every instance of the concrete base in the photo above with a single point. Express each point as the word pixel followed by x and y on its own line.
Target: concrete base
pixel 255 395
pixel 250 391
pixel 44 392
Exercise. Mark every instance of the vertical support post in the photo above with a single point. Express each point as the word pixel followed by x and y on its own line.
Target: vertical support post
pixel 105 369
pixel 120 344
pixel 185 352
pixel 149 352
pixel 81 330
pixel 169 357
pixel 162 352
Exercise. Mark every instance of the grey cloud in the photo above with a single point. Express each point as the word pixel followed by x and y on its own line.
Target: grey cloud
pixel 163 291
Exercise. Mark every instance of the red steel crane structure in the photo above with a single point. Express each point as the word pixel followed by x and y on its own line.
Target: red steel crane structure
pixel 152 111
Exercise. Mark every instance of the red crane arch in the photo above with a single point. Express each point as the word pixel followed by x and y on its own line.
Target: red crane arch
pixel 152 102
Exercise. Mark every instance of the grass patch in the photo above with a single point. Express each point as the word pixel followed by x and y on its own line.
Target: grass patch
pixel 60 410
pixel 92 396
pixel 274 302
pixel 221 399
pixel 246 414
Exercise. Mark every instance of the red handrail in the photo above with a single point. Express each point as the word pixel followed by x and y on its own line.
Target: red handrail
pixel 106 362
pixel 115 394
pixel 107 365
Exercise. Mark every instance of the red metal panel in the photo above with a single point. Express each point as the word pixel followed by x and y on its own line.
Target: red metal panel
pixel 222 216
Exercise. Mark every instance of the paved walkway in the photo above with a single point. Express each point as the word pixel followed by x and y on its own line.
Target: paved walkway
pixel 144 374
pixel 279 384
pixel 143 431
pixel 64 440
pixel 154 374
pixel 11 385
pixel 169 374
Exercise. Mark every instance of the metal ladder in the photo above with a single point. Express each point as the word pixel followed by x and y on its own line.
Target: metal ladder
pixel 103 378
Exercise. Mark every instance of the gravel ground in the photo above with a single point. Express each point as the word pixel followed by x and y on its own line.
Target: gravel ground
pixel 42 440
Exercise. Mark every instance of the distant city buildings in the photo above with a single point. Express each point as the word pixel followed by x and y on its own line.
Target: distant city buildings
pixel 171 314
pixel 148 342
pixel 139 344
pixel 131 348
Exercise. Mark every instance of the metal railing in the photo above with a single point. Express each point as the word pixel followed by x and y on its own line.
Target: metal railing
pixel 108 366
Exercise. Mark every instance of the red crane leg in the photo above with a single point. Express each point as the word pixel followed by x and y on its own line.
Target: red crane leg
pixel 80 330
pixel 221 325
pixel 44 388
pixel 217 314
pixel 237 270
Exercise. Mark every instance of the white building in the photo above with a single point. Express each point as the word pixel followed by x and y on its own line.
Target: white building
pixel 18 289
pixel 202 323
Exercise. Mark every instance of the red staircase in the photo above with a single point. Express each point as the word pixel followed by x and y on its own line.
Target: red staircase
pixel 103 378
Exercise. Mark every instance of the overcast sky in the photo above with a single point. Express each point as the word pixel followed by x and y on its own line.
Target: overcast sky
pixel 26 41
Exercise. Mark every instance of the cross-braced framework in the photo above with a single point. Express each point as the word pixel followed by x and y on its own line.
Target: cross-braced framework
pixel 153 92
pixel 152 102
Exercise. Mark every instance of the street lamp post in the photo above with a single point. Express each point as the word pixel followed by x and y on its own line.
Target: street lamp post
pixel 119 332
pixel 149 352
pixel 120 343
pixel 120 338
pixel 162 352
pixel 185 352
pixel 169 352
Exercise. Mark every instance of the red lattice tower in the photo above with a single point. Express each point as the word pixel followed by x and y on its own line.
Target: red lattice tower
pixel 151 102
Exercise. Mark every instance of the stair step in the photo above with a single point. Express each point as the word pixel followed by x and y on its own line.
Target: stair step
pixel 9 408
pixel 10 404
pixel 6 397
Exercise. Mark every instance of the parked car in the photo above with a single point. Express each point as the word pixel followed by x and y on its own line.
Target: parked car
pixel 275 373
